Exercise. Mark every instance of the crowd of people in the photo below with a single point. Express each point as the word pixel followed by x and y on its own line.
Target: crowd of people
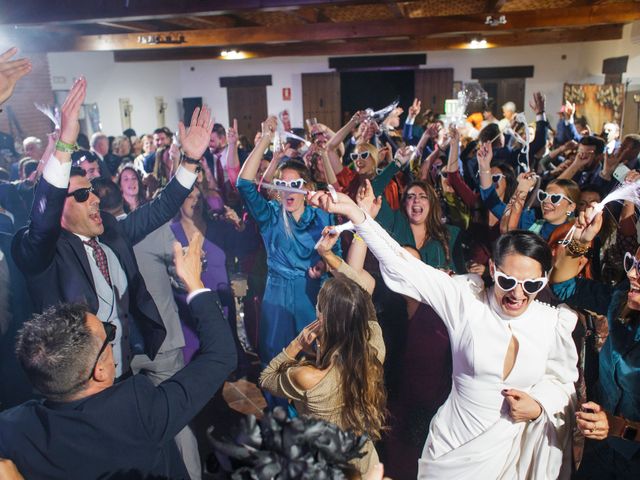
pixel 446 291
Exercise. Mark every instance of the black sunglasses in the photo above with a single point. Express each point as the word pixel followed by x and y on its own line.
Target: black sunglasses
pixel 110 330
pixel 81 194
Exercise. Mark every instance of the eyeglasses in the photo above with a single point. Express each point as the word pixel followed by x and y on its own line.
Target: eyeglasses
pixel 508 283
pixel 355 156
pixel 81 194
pixel 496 177
pixel 554 198
pixel 110 330
pixel 297 183
pixel 630 263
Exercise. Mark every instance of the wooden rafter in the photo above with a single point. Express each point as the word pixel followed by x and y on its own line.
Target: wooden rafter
pixel 361 46
pixel 551 18
pixel 494 6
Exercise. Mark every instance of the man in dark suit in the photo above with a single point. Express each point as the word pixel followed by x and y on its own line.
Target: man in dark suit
pixel 88 427
pixel 72 252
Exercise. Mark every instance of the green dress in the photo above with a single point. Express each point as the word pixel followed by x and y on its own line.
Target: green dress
pixel 397 224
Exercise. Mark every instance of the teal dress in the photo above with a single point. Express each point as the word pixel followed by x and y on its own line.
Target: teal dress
pixel 397 224
pixel 289 302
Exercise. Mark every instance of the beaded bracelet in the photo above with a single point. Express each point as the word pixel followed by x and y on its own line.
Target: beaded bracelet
pixel 576 249
pixel 66 147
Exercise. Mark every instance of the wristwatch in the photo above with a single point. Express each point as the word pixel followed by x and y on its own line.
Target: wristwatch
pixel 190 160
pixel 620 427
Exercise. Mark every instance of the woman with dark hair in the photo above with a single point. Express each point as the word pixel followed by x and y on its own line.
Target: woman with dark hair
pixel 611 420
pixel 510 410
pixel 130 183
pixel 484 225
pixel 345 383
pixel 558 201
pixel 419 223
pixel 290 229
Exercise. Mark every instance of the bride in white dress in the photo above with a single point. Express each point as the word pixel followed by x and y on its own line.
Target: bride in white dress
pixel 510 411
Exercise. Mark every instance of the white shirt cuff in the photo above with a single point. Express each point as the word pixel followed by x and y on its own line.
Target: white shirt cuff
pixel 185 177
pixel 196 292
pixel 410 120
pixel 57 173
pixel 541 117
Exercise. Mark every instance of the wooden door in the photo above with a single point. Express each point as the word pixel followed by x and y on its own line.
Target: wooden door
pixel 433 86
pixel 248 105
pixel 503 90
pixel 321 98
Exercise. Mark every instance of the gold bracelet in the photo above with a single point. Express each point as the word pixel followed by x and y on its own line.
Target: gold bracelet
pixel 357 237
pixel 576 249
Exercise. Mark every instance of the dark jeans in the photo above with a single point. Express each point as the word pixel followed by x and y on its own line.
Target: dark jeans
pixel 602 462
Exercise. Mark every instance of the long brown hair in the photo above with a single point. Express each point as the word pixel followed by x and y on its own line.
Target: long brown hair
pixel 347 309
pixel 434 226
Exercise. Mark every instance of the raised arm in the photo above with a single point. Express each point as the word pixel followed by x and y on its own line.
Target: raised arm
pixel 233 162
pixel 10 72
pixel 164 207
pixel 166 409
pixel 402 272
pixel 251 165
pixel 34 248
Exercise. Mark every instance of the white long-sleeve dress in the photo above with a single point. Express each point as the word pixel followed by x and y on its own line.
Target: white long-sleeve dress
pixel 472 435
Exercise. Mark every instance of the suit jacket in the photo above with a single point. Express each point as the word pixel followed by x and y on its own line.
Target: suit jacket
pixel 126 431
pixel 57 269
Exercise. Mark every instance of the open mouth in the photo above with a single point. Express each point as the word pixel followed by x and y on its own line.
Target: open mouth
pixel 513 304
pixel 96 218
pixel 634 291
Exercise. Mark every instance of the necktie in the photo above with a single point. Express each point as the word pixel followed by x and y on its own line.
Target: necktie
pixel 219 174
pixel 100 258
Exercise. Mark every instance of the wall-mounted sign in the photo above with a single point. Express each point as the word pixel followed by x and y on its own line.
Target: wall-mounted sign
pixel 286 93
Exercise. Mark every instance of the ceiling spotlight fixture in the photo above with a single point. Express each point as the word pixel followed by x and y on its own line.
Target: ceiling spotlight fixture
pixel 475 43
pixel 494 22
pixel 232 55
pixel 160 39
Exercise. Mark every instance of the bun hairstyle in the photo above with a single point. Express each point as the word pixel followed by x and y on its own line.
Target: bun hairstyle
pixel 524 243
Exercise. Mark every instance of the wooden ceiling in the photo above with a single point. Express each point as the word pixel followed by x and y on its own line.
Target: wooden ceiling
pixel 139 30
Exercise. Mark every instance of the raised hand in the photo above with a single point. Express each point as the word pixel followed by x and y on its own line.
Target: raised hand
pixel 538 103
pixel 359 117
pixel 195 139
pixel 569 109
pixel 367 200
pixel 404 155
pixel 526 181
pixel 308 335
pixel 414 109
pixel 189 264
pixel 585 231
pixel 10 72
pixel 70 111
pixel 269 127
pixel 327 241
pixel 484 156
pixel 344 206
pixel 232 134
pixel 433 130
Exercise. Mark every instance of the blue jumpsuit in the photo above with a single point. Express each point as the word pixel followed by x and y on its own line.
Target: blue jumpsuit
pixel 289 302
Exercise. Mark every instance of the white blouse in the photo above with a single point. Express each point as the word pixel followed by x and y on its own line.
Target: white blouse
pixel 472 435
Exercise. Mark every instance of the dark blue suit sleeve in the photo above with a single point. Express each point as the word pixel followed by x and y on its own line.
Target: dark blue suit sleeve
pixel 148 217
pixel 34 247
pixel 166 409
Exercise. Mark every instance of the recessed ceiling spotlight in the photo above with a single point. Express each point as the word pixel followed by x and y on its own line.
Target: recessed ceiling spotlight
pixel 475 43
pixel 232 55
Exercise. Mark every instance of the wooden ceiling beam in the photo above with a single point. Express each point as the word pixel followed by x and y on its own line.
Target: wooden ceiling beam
pixel 494 6
pixel 121 26
pixel 396 9
pixel 235 37
pixel 358 47
pixel 29 12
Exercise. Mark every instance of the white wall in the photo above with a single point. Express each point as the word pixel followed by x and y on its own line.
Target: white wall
pixel 141 82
